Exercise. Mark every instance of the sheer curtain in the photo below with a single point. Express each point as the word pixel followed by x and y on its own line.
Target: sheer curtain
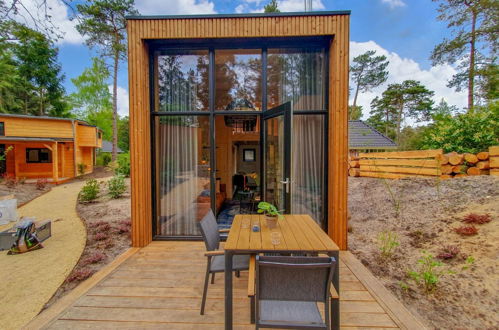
pixel 183 176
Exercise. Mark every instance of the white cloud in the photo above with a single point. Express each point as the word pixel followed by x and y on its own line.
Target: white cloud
pixel 401 69
pixel 253 6
pixel 175 7
pixel 240 9
pixel 33 13
pixel 394 3
pixel 123 100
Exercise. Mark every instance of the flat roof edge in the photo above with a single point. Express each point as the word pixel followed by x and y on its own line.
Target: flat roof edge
pixel 249 15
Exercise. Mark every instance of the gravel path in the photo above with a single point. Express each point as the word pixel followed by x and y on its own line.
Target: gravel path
pixel 29 280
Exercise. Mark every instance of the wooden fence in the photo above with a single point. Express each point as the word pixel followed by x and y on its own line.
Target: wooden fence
pixel 424 163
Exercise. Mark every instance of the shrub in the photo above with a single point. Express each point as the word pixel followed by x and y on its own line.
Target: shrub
pixel 10 180
pixel 387 242
pixel 116 186
pixel 478 219
pixel 448 252
pixel 466 230
pixel 428 273
pixel 103 159
pixel 101 236
pixel 81 168
pixel 41 183
pixel 123 165
pixel 90 190
pixel 80 275
pixel 93 258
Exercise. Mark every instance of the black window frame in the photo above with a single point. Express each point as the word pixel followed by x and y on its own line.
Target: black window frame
pixel 172 45
pixel 40 161
pixel 2 128
pixel 253 151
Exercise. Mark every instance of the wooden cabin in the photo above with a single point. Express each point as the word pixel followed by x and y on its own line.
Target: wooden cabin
pixel 57 149
pixel 230 110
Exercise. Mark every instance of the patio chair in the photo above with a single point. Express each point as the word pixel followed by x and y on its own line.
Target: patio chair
pixel 216 259
pixel 288 290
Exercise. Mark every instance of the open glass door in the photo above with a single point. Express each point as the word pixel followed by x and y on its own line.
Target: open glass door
pixel 277 124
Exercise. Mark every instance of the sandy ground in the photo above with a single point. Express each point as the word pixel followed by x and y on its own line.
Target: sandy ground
pixel 23 192
pixel 29 280
pixel 429 210
pixel 103 216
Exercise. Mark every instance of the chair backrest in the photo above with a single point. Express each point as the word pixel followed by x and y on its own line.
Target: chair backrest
pixel 209 229
pixel 293 278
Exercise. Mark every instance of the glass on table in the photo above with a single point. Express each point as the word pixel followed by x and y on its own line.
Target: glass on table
pixel 275 237
pixel 245 224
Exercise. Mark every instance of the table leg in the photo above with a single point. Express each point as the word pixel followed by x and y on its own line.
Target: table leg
pixel 228 290
pixel 335 303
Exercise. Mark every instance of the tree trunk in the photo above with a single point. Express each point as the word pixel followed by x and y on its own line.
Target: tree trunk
pixel 471 73
pixel 115 108
pixel 399 121
pixel 355 97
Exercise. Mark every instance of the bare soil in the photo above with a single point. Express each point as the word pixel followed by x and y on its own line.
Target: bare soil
pixel 108 227
pixel 424 213
pixel 24 192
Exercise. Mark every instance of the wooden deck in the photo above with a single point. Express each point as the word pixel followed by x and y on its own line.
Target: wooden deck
pixel 160 286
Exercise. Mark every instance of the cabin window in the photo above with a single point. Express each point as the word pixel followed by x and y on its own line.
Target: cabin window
pixel 2 128
pixel 38 155
pixel 99 135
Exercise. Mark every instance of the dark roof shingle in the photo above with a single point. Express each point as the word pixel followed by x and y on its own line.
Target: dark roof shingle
pixel 363 136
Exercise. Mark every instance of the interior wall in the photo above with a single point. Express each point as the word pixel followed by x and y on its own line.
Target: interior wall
pixel 248 167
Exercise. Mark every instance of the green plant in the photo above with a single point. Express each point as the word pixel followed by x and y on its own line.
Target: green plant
pixel 470 260
pixel 81 168
pixel 116 186
pixel 103 159
pixel 404 286
pixel 428 273
pixel 387 242
pixel 268 209
pixel 90 191
pixel 123 165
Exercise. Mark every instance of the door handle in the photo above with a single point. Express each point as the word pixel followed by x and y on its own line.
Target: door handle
pixel 286 182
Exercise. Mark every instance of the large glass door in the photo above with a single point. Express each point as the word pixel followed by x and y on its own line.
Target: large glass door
pixel 277 156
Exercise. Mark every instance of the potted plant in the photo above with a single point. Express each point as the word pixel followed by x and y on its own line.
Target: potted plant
pixel 271 213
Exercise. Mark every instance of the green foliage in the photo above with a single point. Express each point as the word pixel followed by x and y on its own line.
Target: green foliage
pixel 116 186
pixel 354 112
pixel 268 209
pixel 428 272
pixel 387 242
pixel 367 72
pixel 398 102
pixel 92 100
pixel 471 132
pixel 271 7
pixel 470 260
pixel 473 44
pixel 81 168
pixel 103 159
pixel 123 165
pixel 90 191
pixel 124 134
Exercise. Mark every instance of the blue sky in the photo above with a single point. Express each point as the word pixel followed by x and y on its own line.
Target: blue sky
pixel 404 30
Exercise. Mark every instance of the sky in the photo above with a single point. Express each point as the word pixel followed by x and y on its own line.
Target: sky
pixel 403 30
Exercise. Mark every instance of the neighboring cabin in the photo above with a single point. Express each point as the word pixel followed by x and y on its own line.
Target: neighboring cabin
pixel 47 147
pixel 364 138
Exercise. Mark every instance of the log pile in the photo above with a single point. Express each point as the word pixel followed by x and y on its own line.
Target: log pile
pixel 454 165
pixel 493 162
pixel 353 166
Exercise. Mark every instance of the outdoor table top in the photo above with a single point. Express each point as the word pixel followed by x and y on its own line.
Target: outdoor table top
pixel 293 232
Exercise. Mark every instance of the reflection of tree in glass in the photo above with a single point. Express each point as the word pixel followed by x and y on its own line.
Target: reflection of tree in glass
pixel 225 79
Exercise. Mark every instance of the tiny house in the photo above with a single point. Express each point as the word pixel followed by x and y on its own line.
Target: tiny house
pixel 230 110
pixel 57 149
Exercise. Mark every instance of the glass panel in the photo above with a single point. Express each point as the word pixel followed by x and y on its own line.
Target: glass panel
pixel 182 172
pixel 238 166
pixel 307 168
pixel 181 80
pixel 296 75
pixel 274 147
pixel 238 79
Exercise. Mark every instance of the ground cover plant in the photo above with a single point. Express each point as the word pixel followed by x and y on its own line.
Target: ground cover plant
pixel 116 186
pixel 466 230
pixel 478 219
pixel 90 190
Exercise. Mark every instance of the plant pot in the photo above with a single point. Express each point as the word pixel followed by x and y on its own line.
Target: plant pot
pixel 271 221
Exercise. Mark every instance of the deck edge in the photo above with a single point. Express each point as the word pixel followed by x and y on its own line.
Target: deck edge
pixel 404 318
pixel 52 313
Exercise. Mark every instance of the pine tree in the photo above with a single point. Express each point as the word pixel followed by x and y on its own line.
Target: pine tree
pixel 367 72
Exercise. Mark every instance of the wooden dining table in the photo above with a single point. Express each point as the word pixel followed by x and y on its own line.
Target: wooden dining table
pixel 293 233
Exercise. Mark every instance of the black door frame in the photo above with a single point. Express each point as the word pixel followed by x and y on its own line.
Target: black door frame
pixel 211 46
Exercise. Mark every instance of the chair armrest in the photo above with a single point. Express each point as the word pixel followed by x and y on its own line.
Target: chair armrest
pixel 224 230
pixel 333 293
pixel 251 276
pixel 214 253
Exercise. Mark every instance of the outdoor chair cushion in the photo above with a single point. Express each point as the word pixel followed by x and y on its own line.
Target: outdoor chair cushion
pixel 287 312
pixel 239 262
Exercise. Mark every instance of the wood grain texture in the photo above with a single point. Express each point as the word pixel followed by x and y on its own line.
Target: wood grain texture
pixel 139 30
pixel 173 302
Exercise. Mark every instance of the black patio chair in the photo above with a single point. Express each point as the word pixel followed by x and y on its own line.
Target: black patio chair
pixel 216 259
pixel 288 290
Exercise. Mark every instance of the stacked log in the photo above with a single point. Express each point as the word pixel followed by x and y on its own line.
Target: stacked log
pixel 493 162
pixel 457 165
pixel 353 166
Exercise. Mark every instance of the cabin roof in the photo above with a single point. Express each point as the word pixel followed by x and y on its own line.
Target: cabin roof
pixel 107 146
pixel 34 139
pixel 82 122
pixel 363 136
pixel 245 15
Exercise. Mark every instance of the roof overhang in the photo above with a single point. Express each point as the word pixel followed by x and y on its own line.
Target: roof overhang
pixel 33 139
pixel 250 15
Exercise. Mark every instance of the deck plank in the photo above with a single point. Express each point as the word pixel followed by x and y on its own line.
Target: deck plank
pixel 160 287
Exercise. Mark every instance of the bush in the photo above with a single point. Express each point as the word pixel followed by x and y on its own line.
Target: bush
pixel 93 258
pixel 428 273
pixel 90 191
pixel 80 275
pixel 387 242
pixel 81 168
pixel 41 183
pixel 103 159
pixel 123 165
pixel 448 252
pixel 101 236
pixel 116 186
